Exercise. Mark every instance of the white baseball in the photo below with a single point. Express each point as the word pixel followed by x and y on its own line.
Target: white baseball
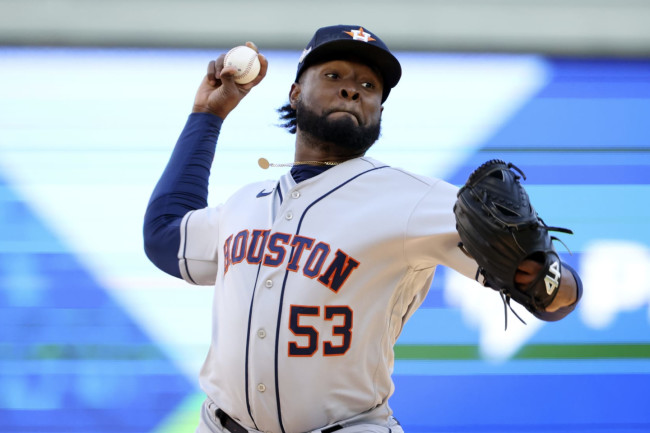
pixel 246 61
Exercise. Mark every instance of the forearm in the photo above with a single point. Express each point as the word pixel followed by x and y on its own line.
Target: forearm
pixel 182 187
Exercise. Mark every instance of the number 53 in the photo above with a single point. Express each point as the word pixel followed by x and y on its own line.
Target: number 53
pixel 343 331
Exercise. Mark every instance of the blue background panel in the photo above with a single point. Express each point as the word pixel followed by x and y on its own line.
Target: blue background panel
pixel 71 360
pixel 522 403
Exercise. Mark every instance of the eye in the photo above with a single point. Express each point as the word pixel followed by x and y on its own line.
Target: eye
pixel 332 75
pixel 368 85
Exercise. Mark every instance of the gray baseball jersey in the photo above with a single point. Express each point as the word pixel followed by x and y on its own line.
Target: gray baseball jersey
pixel 313 285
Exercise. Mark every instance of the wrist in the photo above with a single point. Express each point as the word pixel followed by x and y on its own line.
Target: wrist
pixel 202 109
pixel 567 292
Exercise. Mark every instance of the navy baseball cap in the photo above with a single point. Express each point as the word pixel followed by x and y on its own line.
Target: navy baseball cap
pixel 343 41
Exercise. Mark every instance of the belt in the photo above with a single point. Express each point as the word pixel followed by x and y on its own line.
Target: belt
pixel 233 426
pixel 228 423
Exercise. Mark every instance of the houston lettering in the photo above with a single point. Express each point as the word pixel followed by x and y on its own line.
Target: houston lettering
pixel 275 249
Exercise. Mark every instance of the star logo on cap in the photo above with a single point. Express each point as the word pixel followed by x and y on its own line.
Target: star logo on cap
pixel 360 35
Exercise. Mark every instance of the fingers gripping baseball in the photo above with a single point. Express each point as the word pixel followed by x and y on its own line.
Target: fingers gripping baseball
pixel 219 93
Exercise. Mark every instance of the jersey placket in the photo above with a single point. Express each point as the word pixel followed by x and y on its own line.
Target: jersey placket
pixel 266 312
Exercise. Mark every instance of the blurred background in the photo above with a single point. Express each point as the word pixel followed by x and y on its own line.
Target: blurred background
pixel 93 94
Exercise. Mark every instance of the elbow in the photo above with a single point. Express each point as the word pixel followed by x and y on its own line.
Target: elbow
pixel 153 249
pixel 161 243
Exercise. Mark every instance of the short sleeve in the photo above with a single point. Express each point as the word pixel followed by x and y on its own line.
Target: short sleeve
pixel 432 237
pixel 198 251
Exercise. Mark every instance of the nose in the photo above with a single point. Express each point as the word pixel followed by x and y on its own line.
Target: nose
pixel 349 93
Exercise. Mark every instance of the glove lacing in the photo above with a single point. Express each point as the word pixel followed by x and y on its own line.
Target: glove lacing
pixel 505 297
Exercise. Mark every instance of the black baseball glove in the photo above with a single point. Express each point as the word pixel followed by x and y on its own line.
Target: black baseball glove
pixel 499 228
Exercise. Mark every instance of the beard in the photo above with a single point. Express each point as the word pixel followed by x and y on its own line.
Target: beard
pixel 343 133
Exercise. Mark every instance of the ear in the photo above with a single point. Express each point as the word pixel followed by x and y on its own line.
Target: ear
pixel 294 95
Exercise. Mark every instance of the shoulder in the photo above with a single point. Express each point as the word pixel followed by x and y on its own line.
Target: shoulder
pixel 408 178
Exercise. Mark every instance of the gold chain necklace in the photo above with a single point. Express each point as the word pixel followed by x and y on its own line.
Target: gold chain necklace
pixel 264 163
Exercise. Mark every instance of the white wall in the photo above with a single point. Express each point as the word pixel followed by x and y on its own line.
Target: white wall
pixel 576 27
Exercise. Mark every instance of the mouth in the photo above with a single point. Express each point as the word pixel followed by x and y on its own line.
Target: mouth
pixel 341 113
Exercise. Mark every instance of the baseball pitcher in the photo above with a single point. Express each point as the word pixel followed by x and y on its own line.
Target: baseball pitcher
pixel 316 273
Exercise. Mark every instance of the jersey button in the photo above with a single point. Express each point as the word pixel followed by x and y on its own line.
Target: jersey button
pixel 288 216
pixel 268 283
pixel 261 333
pixel 261 387
pixel 295 194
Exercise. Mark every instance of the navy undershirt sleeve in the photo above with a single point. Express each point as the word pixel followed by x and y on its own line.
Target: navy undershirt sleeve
pixel 182 187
